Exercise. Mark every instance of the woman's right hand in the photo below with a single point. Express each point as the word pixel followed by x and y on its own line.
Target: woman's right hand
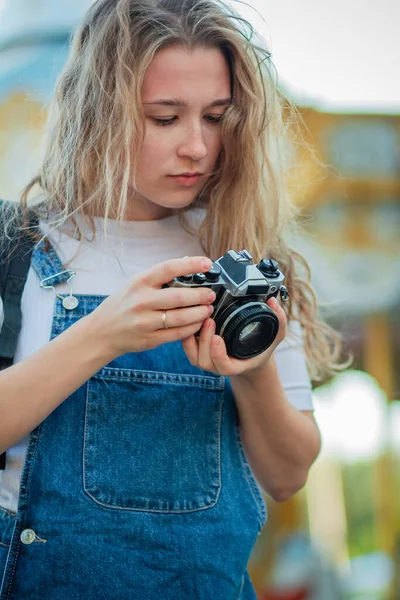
pixel 131 320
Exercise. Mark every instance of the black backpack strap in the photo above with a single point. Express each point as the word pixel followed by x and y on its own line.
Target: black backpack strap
pixel 13 274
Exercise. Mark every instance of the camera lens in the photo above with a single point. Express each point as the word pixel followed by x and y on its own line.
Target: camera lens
pixel 248 327
pixel 249 333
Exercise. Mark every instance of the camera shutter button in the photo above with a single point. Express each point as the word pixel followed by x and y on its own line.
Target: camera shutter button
pixel 199 278
pixel 185 278
pixel 213 274
pixel 268 267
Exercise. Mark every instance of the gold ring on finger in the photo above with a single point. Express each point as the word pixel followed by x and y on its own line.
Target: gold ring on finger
pixel 164 319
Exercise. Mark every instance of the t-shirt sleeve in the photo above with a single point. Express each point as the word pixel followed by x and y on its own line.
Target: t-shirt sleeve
pixel 292 368
pixel 1 313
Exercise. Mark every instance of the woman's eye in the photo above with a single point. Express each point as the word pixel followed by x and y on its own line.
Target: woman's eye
pixel 214 119
pixel 164 122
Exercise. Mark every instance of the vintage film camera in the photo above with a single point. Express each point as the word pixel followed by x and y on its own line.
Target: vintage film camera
pixel 242 317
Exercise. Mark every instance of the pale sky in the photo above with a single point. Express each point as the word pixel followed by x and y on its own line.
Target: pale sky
pixel 342 54
pixel 333 54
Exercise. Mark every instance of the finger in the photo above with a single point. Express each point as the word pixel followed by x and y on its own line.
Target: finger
pixel 163 336
pixel 173 297
pixel 280 313
pixel 206 335
pixel 191 349
pixel 175 267
pixel 282 318
pixel 181 317
pixel 273 303
pixel 219 356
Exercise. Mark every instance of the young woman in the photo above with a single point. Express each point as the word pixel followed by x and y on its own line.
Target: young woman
pixel 136 450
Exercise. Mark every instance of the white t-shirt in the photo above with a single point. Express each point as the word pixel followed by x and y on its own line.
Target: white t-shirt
pixel 102 267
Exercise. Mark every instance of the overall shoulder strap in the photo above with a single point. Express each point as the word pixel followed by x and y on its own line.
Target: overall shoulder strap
pixel 13 273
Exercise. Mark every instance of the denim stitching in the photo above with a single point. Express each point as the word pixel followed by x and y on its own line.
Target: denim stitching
pixel 254 489
pixel 8 512
pixel 36 442
pixel 41 260
pixel 8 591
pixel 87 303
pixel 241 588
pixel 113 374
pixel 35 446
pixel 84 483
pixel 156 510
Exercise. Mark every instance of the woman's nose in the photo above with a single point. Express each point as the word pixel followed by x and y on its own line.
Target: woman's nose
pixel 194 145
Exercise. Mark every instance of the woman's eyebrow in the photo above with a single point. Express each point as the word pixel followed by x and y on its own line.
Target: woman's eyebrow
pixel 178 102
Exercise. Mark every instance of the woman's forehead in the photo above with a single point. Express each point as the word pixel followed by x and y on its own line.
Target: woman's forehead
pixel 188 75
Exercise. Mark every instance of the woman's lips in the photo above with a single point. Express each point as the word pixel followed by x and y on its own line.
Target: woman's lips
pixel 186 180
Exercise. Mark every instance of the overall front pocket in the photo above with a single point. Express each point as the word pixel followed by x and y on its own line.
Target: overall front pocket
pixel 152 440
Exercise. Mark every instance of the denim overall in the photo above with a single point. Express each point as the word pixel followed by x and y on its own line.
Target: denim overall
pixel 135 487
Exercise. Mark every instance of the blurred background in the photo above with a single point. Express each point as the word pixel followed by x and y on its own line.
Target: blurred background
pixel 339 538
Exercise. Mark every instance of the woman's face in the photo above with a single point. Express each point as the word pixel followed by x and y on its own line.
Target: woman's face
pixel 184 95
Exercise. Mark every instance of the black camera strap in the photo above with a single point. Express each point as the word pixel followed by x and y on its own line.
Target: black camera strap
pixel 13 273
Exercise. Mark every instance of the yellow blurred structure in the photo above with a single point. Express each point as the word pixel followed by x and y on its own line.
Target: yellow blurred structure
pixel 364 151
pixel 350 189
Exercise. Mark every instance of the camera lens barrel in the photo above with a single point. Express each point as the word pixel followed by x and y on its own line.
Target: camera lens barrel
pixel 248 329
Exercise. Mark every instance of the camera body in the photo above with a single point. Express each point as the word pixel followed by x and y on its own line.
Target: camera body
pixel 242 317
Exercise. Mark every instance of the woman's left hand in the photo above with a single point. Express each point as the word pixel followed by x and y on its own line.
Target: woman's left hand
pixel 208 352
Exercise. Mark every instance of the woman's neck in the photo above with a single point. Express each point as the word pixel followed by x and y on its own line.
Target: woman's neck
pixel 138 209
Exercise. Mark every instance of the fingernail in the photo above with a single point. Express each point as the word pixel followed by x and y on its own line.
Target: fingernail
pixel 206 263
